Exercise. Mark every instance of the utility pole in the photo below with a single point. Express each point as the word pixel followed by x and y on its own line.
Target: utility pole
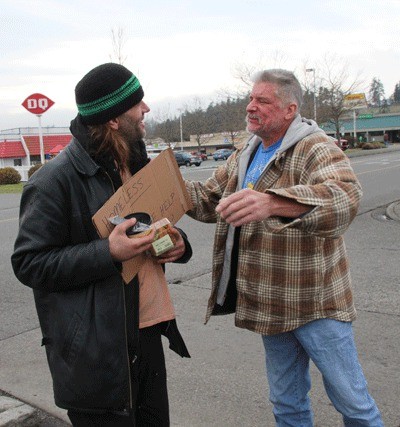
pixel 180 127
pixel 312 70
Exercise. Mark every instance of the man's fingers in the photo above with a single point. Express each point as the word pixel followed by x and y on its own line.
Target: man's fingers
pixel 145 240
pixel 236 209
pixel 168 257
pixel 244 207
pixel 234 201
pixel 123 227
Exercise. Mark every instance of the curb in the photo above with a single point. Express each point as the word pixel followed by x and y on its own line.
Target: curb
pixel 16 413
pixel 13 412
pixel 390 148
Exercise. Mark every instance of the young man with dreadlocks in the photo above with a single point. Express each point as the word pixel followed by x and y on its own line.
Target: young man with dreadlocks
pixel 102 337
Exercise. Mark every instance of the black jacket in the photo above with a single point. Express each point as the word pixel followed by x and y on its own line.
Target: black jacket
pixel 84 308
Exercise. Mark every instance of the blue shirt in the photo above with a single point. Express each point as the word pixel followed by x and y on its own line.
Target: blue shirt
pixel 261 159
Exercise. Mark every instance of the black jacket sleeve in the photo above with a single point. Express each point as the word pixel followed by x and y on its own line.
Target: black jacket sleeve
pixel 188 251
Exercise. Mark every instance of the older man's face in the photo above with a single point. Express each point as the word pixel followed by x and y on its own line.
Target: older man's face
pixel 267 116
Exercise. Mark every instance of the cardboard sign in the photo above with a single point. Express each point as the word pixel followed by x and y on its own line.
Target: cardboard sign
pixel 157 189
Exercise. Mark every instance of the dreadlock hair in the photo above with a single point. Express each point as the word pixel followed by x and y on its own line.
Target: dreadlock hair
pixel 110 141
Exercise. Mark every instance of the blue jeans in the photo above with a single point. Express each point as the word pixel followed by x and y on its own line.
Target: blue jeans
pixel 330 345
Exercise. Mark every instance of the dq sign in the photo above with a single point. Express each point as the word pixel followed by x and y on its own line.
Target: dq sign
pixel 37 103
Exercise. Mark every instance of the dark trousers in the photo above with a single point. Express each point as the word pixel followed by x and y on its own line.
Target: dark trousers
pixel 149 387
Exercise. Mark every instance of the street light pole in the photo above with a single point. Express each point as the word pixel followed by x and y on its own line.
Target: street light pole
pixel 180 128
pixel 312 70
pixel 39 116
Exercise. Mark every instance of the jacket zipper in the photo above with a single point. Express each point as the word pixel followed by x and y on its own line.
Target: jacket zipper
pixel 126 332
pixel 127 352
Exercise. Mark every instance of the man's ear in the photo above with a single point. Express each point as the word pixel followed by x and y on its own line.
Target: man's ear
pixel 113 123
pixel 291 111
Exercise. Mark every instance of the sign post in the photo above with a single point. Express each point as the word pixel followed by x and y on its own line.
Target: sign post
pixel 38 104
pixel 355 101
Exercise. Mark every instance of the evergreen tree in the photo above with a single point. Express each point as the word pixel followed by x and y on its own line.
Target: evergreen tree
pixel 376 93
pixel 396 93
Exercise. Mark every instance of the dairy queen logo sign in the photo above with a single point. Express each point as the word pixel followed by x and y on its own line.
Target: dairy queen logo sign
pixel 37 103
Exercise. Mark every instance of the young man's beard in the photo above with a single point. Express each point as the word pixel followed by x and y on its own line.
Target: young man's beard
pixel 125 145
pixel 131 130
pixel 132 134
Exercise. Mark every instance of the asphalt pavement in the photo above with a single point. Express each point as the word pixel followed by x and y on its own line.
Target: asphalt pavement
pixel 393 210
pixel 27 400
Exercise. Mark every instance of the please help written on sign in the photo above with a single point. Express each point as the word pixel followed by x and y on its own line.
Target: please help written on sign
pixel 157 189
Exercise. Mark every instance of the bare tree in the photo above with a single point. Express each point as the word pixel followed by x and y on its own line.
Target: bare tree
pixel 118 44
pixel 167 126
pixel 336 84
pixel 244 72
pixel 198 123
pixel 229 117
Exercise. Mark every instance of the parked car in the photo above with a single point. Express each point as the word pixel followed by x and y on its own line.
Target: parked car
pixel 203 156
pixel 186 159
pixel 222 154
pixel 343 144
pixel 195 159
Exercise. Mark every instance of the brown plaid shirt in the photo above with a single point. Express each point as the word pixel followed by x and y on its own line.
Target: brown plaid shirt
pixel 289 272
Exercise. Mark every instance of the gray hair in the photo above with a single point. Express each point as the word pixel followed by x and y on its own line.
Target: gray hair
pixel 289 88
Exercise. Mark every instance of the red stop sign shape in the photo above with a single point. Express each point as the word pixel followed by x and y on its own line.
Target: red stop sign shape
pixel 37 103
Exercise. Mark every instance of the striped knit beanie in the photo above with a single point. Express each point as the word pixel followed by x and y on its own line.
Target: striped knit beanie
pixel 106 92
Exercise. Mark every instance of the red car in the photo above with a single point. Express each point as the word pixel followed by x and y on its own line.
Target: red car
pixel 343 144
pixel 203 156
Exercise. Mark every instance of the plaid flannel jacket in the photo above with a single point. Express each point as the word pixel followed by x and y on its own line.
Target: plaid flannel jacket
pixel 290 272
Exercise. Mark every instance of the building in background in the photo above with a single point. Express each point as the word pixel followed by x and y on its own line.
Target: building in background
pixel 20 147
pixel 368 127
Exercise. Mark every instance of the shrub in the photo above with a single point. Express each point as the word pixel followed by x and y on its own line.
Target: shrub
pixel 9 175
pixel 33 169
pixel 372 145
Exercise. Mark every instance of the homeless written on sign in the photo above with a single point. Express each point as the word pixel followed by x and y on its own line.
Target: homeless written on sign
pixel 157 189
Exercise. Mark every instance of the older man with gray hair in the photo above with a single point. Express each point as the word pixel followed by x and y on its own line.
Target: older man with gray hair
pixel 282 204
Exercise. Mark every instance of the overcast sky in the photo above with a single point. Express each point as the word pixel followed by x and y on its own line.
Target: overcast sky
pixel 182 49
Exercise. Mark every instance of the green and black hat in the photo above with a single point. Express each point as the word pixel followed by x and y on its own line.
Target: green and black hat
pixel 106 92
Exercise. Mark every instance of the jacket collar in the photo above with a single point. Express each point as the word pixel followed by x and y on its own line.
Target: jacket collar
pixel 80 158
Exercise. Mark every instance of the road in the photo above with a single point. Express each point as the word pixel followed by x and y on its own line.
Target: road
pixel 223 384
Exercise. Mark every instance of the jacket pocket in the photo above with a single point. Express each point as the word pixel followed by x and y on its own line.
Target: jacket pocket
pixel 73 339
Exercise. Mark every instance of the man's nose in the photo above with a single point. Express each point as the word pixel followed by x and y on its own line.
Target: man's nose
pixel 250 106
pixel 145 107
